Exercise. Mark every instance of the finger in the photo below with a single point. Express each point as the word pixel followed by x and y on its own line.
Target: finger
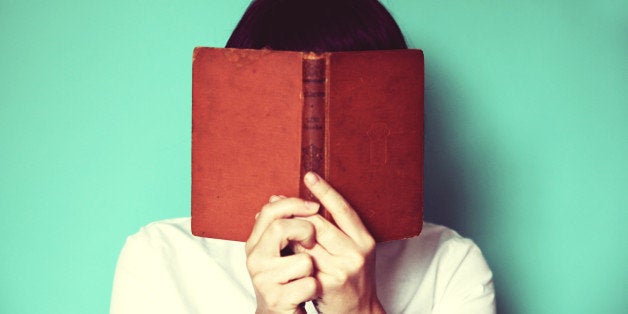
pixel 289 268
pixel 283 208
pixel 281 232
pixel 330 270
pixel 285 297
pixel 345 217
pixel 322 260
pixel 338 267
pixel 329 236
pixel 301 290
pixel 274 198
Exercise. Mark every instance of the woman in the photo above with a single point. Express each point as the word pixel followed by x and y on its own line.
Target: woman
pixel 165 269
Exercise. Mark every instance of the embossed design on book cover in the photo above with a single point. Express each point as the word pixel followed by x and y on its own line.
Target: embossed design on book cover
pixel 378 135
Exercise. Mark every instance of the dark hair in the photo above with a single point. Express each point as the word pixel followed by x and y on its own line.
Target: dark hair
pixel 317 25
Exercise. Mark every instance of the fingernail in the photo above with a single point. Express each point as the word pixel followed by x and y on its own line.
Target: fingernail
pixel 273 198
pixel 311 178
pixel 311 205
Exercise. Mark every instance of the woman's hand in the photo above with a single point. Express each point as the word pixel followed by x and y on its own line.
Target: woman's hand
pixel 344 256
pixel 282 282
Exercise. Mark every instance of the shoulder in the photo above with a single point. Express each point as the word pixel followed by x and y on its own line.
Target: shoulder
pixel 458 258
pixel 164 229
pixel 446 245
pixel 174 237
pixel 464 282
pixel 434 244
pixel 165 268
pixel 437 270
pixel 156 237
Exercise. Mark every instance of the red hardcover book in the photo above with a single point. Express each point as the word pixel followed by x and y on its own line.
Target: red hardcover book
pixel 261 119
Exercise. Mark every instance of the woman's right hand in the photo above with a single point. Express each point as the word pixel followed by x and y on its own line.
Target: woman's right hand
pixel 281 283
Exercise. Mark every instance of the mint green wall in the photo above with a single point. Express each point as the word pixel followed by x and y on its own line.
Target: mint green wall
pixel 526 152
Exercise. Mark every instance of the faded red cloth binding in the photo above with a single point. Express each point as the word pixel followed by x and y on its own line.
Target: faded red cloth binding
pixel 262 118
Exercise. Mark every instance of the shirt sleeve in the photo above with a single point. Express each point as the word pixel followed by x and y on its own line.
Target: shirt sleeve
pixel 141 283
pixel 465 281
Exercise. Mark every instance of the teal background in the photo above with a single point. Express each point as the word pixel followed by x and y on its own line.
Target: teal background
pixel 526 144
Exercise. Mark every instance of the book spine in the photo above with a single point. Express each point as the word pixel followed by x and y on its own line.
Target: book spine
pixel 313 121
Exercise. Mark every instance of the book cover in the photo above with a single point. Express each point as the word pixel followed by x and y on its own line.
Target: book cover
pixel 261 119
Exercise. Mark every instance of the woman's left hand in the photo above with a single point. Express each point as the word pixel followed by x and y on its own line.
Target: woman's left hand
pixel 344 256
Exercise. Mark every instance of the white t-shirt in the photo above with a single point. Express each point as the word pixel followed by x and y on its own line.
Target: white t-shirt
pixel 165 269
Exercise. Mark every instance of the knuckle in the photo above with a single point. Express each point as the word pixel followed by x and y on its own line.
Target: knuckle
pixel 262 283
pixel 252 264
pixel 258 281
pixel 344 207
pixel 340 279
pixel 272 299
pixel 275 198
pixel 308 227
pixel 357 263
pixel 266 209
pixel 326 191
pixel 250 245
pixel 310 285
pixel 315 220
pixel 369 244
pixel 305 262
pixel 277 227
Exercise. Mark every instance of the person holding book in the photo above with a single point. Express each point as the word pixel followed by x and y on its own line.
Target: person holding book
pixel 165 269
